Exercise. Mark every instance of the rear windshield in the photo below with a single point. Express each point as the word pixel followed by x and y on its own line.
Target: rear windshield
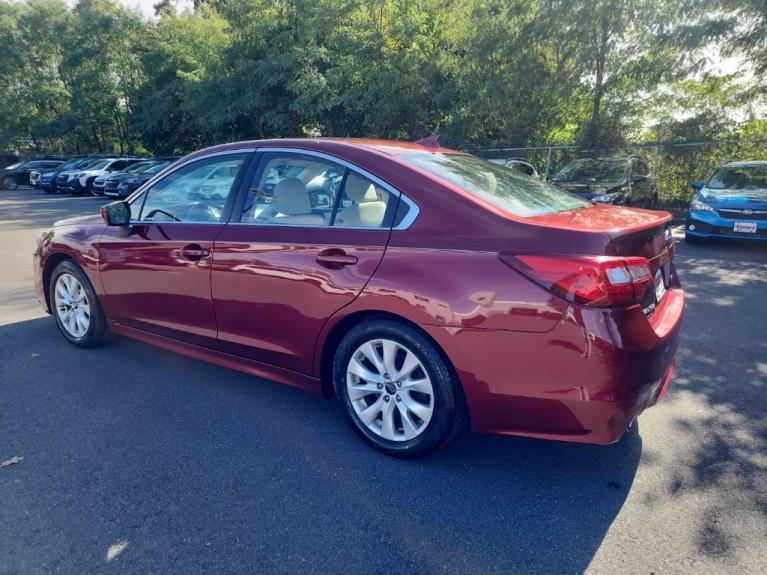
pixel 503 187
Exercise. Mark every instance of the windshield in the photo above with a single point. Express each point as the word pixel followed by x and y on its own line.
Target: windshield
pixel 138 167
pixel 592 170
pixel 507 189
pixel 157 168
pixel 86 164
pixel 71 163
pixel 742 181
pixel 98 165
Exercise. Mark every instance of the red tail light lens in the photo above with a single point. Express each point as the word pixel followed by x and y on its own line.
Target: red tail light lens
pixel 601 281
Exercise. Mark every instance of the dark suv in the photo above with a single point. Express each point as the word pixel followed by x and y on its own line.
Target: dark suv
pixel 619 181
pixel 17 174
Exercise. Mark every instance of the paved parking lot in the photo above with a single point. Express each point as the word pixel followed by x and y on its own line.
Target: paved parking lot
pixel 137 460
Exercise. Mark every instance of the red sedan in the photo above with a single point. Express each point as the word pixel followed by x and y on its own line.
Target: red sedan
pixel 428 289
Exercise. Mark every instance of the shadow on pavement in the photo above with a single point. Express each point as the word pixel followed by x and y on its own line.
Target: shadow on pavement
pixel 722 370
pixel 187 467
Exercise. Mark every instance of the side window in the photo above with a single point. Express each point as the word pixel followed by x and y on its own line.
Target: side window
pixel 116 166
pixel 364 204
pixel 195 192
pixel 640 168
pixel 293 189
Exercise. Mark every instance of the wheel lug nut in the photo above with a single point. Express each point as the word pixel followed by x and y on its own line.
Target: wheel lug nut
pixel 386 376
pixel 399 398
pixel 399 384
pixel 380 386
pixel 386 398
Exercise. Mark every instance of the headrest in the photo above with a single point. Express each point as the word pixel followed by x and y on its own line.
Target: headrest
pixel 290 198
pixel 359 189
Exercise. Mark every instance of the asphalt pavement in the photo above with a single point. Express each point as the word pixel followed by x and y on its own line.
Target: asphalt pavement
pixel 131 459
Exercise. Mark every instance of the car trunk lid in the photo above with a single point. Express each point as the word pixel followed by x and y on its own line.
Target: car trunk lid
pixel 628 233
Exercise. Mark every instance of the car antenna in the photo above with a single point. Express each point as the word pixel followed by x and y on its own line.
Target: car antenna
pixel 430 142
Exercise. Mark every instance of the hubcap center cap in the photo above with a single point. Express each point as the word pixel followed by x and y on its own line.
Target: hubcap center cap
pixel 390 389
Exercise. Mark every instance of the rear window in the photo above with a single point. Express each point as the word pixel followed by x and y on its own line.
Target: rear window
pixel 503 187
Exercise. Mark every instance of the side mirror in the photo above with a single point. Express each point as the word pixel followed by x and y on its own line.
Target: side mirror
pixel 116 214
pixel 697 186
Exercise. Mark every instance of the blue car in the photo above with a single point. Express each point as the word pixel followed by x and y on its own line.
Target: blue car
pixel 732 204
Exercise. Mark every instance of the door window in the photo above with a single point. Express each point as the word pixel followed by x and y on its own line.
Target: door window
pixel 293 189
pixel 196 192
pixel 364 204
pixel 304 190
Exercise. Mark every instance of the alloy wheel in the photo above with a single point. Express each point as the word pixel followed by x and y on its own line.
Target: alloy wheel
pixel 72 307
pixel 390 389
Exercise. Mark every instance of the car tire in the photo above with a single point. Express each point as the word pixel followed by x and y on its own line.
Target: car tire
pixel 10 183
pixel 424 410
pixel 692 240
pixel 77 311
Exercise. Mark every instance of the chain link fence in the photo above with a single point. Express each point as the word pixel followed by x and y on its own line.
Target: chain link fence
pixel 675 165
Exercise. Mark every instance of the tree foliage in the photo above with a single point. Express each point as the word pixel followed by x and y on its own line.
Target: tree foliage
pixel 98 77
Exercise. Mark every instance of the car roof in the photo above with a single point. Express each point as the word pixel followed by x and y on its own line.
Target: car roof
pixel 389 147
pixel 746 164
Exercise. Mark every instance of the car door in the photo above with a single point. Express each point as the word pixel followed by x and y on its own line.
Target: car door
pixel 157 277
pixel 23 171
pixel 305 237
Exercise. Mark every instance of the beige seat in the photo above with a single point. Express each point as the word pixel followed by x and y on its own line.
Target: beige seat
pixel 366 210
pixel 291 205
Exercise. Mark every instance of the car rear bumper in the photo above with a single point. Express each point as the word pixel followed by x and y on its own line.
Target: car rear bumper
pixel 585 380
pixel 707 225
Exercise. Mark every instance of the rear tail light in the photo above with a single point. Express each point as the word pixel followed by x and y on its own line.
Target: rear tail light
pixel 600 281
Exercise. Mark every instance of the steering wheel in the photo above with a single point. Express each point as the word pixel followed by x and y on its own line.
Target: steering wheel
pixel 151 214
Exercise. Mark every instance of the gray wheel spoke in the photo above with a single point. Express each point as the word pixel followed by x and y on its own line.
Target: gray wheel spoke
pixel 389 354
pixel 356 368
pixel 421 410
pixel 387 420
pixel 409 427
pixel 372 354
pixel 359 391
pixel 72 324
pixel 410 364
pixel 369 414
pixel 422 385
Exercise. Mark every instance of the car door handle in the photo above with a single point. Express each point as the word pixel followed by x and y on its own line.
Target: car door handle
pixel 335 258
pixel 194 252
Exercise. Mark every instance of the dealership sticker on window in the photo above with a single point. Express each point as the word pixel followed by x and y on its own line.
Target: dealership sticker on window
pixel 745 227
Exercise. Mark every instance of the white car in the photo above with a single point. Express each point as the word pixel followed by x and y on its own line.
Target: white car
pixel 81 181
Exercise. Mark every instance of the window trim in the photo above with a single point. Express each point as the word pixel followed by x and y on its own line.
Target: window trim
pixel 407 221
pixel 236 186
